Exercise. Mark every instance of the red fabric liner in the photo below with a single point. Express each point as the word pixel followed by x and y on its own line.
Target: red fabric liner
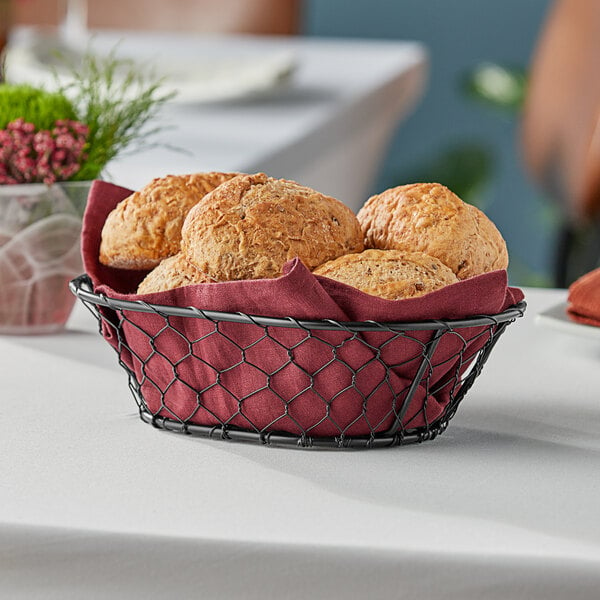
pixel 356 394
pixel 584 299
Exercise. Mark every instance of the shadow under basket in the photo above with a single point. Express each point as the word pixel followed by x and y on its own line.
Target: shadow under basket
pixel 283 381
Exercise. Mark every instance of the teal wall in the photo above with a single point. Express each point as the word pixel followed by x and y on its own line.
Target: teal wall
pixel 460 34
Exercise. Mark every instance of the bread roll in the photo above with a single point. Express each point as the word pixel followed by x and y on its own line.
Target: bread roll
pixel 429 218
pixel 250 226
pixel 145 228
pixel 390 274
pixel 171 273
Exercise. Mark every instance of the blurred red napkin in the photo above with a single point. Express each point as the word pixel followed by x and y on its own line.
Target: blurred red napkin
pixel 584 299
pixel 326 383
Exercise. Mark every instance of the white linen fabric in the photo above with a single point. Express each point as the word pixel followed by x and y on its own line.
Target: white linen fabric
pixel 94 503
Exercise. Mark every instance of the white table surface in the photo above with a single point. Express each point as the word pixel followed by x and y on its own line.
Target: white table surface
pixel 96 504
pixel 329 128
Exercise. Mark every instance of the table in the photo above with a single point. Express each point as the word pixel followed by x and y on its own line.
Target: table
pixel 96 504
pixel 328 129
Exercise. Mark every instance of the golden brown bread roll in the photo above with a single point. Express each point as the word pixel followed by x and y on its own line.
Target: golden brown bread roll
pixel 250 226
pixel 145 228
pixel 429 218
pixel 391 274
pixel 172 272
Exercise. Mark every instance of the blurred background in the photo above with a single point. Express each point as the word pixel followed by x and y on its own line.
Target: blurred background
pixel 466 130
pixel 456 136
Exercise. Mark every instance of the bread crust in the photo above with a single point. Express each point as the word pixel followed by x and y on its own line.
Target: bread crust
pixel 145 228
pixel 390 274
pixel 429 218
pixel 171 273
pixel 250 226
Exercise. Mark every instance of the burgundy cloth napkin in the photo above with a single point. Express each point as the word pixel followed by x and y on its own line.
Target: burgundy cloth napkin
pixel 584 299
pixel 283 379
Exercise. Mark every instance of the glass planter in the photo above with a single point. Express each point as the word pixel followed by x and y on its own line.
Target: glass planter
pixel 40 228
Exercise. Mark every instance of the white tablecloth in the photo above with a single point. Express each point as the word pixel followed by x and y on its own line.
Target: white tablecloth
pixel 96 504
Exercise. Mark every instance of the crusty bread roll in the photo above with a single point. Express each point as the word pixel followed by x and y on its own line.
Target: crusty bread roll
pixel 248 227
pixel 429 218
pixel 390 274
pixel 171 273
pixel 145 228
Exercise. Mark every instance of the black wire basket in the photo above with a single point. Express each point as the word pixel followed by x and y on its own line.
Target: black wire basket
pixel 284 381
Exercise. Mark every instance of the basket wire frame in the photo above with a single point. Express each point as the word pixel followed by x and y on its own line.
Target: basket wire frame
pixel 119 317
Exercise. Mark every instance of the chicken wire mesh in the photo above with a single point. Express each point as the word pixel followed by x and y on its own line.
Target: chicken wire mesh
pixel 284 381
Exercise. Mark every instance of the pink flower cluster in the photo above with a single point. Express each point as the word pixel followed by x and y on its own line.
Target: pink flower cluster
pixel 44 156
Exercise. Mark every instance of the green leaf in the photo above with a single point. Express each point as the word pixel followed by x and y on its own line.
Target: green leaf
pixel 496 85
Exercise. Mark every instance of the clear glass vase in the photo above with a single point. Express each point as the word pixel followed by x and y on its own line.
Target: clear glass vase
pixel 40 231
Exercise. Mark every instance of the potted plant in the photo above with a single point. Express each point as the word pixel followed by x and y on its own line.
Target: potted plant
pixel 52 145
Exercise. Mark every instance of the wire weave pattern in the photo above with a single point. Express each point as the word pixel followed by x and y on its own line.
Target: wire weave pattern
pixel 284 381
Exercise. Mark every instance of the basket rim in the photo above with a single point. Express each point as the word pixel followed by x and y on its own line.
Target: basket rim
pixel 82 288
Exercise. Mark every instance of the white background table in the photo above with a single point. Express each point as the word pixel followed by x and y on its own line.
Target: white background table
pixel 96 504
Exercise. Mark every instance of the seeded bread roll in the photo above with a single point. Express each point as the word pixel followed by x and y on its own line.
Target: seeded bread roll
pixel 145 228
pixel 429 218
pixel 171 273
pixel 390 274
pixel 250 226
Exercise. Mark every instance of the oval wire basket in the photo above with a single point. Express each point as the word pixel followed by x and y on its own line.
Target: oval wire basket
pixel 284 381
